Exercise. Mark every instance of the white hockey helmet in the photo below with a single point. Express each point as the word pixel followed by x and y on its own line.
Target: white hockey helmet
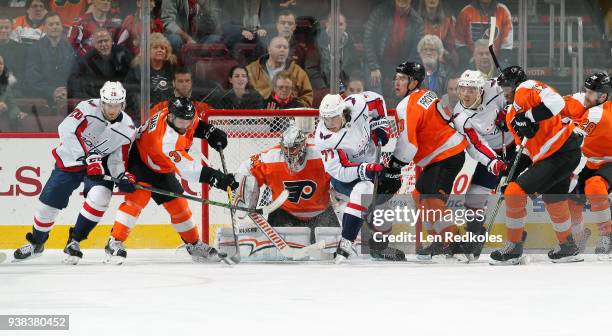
pixel 332 105
pixel 472 78
pixel 112 93
pixel 293 147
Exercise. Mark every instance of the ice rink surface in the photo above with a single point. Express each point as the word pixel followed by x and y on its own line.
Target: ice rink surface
pixel 160 292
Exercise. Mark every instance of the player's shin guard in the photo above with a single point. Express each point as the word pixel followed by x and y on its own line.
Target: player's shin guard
pixel 180 216
pixel 128 213
pixel 596 190
pixel 560 216
pixel 92 211
pixel 516 212
pixel 44 218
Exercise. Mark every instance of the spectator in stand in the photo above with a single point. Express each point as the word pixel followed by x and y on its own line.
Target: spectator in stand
pixel 282 98
pixel 13 52
pixel 473 23
pixel 129 36
pixel 181 19
pixel 246 29
pixel 266 67
pixel 163 64
pixel 318 60
pixel 355 85
pixel 240 95
pixel 450 98
pixel 27 28
pixel 482 60
pixel 431 50
pixel 285 27
pixel 105 62
pixel 68 10
pixel 99 16
pixel 50 61
pixel 391 35
pixel 436 22
pixel 9 112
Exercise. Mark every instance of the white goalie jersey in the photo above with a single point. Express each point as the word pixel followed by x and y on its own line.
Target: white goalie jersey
pixel 343 151
pixel 85 131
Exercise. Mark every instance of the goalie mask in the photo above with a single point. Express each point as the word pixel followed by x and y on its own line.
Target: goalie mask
pixel 112 96
pixel 471 87
pixel 293 147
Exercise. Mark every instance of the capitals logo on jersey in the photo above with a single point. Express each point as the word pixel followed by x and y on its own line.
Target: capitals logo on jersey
pixel 300 189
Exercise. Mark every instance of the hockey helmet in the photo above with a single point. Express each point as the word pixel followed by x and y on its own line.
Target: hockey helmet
pixel 599 82
pixel 512 76
pixel 182 108
pixel 472 78
pixel 293 147
pixel 332 105
pixel 413 70
pixel 112 93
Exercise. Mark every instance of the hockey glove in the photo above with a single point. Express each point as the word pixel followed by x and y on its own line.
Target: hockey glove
pixel 497 167
pixel 126 182
pixel 215 137
pixel 217 179
pixel 367 171
pixel 524 127
pixel 379 129
pixel 95 169
pixel 500 120
pixel 391 177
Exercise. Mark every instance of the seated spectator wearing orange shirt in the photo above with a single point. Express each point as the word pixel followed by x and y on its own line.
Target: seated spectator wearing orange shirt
pixel 27 28
pixel 68 10
pixel 391 35
pixel 437 22
pixel 82 30
pixel 129 36
pixel 473 23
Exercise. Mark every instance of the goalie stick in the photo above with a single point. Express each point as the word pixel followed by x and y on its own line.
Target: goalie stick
pixel 264 210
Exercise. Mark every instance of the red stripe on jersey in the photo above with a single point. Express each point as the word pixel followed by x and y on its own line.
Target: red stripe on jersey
pixel 79 134
pixel 356 207
pixel 344 161
pixel 41 224
pixel 125 149
pixel 473 137
pixel 92 211
pixel 60 163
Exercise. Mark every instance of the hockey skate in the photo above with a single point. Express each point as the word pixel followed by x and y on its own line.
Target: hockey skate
pixel 73 250
pixel 475 248
pixel 344 251
pixel 382 251
pixel 566 252
pixel 115 252
pixel 582 239
pixel 510 254
pixel 427 253
pixel 29 251
pixel 603 249
pixel 201 252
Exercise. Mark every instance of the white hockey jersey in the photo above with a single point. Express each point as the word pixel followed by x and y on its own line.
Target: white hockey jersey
pixel 344 150
pixel 85 132
pixel 482 120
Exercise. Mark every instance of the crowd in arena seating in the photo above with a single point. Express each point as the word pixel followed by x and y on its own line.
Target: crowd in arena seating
pixel 242 54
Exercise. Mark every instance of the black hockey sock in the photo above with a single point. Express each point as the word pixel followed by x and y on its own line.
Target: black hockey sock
pixel 350 226
pixel 39 237
pixel 82 228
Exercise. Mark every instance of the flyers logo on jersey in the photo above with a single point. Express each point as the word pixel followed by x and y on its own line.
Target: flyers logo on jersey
pixel 300 189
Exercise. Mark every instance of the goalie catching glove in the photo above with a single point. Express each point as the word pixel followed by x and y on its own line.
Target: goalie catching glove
pixel 217 179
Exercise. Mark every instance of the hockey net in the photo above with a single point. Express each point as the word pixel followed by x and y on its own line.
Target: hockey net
pixel 252 131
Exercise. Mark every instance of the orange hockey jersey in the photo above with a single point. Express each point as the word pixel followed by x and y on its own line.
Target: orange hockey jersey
pixel 574 106
pixel 552 133
pixel 164 150
pixel 425 135
pixel 308 189
pixel 473 24
pixel 597 124
pixel 200 107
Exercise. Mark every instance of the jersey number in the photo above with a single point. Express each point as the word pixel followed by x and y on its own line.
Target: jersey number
pixel 328 154
pixel 77 114
pixel 175 156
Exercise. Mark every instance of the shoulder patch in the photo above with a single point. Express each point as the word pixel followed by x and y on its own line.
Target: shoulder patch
pixel 427 99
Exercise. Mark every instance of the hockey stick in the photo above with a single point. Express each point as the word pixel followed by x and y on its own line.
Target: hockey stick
pixel 492 29
pixel 236 257
pixel 504 181
pixel 375 190
pixel 264 210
